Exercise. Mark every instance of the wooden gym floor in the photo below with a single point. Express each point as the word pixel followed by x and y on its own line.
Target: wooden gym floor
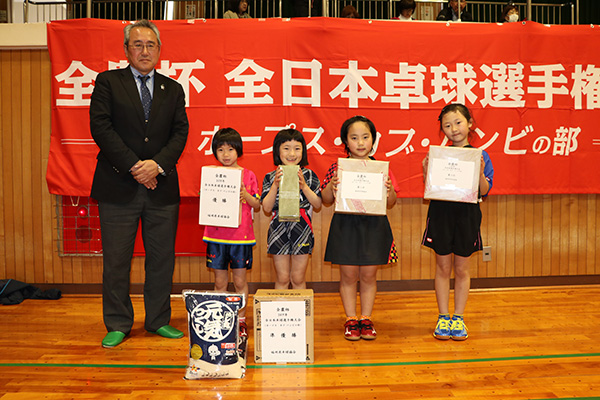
pixel 538 343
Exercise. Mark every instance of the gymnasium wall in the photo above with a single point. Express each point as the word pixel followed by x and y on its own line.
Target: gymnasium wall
pixel 535 239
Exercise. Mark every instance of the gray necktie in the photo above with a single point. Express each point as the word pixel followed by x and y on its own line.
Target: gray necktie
pixel 146 98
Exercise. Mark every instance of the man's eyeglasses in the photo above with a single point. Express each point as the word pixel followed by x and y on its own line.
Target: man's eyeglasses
pixel 140 46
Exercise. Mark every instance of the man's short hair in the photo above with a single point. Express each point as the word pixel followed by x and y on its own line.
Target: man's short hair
pixel 141 23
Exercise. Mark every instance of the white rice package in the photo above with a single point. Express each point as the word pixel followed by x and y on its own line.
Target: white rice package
pixel 216 349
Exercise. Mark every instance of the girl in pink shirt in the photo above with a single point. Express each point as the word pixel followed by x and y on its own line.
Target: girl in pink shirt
pixel 227 247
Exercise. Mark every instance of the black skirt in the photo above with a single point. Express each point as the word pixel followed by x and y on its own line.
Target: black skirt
pixel 360 240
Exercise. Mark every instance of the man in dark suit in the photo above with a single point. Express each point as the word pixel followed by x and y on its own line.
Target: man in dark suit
pixel 138 119
pixel 450 12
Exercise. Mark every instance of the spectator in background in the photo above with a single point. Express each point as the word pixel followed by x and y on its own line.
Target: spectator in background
pixel 237 9
pixel 450 12
pixel 350 12
pixel 301 7
pixel 510 13
pixel 406 9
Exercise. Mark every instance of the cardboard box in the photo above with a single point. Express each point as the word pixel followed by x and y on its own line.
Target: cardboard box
pixel 362 189
pixel 284 326
pixel 220 197
pixel 453 174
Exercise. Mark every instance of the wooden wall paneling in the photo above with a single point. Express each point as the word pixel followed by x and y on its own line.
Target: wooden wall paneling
pixel 545 225
pixel 16 176
pixel 567 252
pixel 556 236
pixel 77 269
pixel 536 227
pixel 24 188
pixel 328 274
pixel 319 251
pixel 489 219
pixel 415 227
pixel 314 262
pixel 481 267
pixel 401 222
pixel 395 218
pixel 255 253
pixel 94 266
pixel 55 272
pixel 427 255
pixel 137 270
pixel 579 262
pixel 7 192
pixel 199 263
pixel 519 235
pixel 69 266
pixel 49 222
pixel 510 231
pixel 265 260
pixel 182 272
pixel 194 265
pixel 590 245
pixel 5 88
pixel 384 272
pixel 501 237
pixel 259 234
pixel 528 232
pixel 403 240
pixel 596 269
pixel 324 271
pixel 559 239
pixel 254 273
pixel 37 103
pixel 315 272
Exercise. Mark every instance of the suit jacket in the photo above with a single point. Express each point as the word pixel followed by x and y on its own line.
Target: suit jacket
pixel 118 128
pixel 446 15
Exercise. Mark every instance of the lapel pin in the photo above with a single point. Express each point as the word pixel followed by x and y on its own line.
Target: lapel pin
pixel 162 87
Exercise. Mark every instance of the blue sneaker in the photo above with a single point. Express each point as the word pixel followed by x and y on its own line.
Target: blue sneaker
pixel 442 329
pixel 458 329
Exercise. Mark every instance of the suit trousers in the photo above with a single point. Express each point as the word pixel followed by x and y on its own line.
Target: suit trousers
pixel 119 224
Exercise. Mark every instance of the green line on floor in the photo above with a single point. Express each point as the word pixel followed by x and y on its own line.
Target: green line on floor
pixel 310 366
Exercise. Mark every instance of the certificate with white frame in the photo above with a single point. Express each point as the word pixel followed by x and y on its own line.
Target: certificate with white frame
pixel 453 174
pixel 362 187
pixel 220 196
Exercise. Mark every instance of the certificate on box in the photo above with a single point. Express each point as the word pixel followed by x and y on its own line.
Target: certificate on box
pixel 453 174
pixel 283 326
pixel 362 189
pixel 220 197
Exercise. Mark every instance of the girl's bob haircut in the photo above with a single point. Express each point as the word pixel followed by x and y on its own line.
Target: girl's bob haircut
pixel 227 136
pixel 286 135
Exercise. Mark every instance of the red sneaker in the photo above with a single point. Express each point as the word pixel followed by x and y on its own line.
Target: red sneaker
pixel 352 329
pixel 243 329
pixel 367 330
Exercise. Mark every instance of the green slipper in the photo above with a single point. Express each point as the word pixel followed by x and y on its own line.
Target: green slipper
pixel 169 332
pixel 112 339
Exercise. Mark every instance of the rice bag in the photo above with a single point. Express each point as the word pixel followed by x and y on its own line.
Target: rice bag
pixel 216 349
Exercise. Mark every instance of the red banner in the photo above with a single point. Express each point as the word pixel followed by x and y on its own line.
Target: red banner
pixel 533 91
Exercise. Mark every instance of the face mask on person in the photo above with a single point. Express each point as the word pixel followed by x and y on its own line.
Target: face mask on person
pixel 513 18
